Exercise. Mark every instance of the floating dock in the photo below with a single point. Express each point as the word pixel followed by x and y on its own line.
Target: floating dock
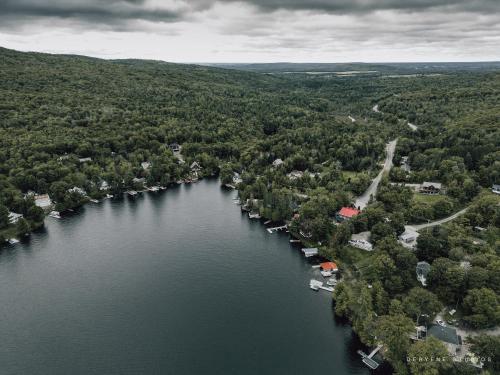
pixel 368 358
pixel 317 285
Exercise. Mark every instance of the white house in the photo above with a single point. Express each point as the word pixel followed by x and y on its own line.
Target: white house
pixel 146 165
pixel 43 201
pixel 495 189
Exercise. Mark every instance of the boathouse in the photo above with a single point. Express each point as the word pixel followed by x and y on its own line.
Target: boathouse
pixel 310 251
pixel 329 266
pixel 346 213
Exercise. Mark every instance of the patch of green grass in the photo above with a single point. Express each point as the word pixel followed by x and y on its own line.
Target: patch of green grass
pixel 424 198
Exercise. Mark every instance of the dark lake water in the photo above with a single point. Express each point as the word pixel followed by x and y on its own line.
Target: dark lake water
pixel 179 282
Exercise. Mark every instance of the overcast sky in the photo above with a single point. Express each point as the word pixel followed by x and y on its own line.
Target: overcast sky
pixel 257 30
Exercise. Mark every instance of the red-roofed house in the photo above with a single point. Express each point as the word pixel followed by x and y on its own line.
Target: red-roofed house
pixel 347 213
pixel 327 268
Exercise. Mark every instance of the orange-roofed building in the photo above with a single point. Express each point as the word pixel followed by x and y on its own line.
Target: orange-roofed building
pixel 347 213
pixel 328 266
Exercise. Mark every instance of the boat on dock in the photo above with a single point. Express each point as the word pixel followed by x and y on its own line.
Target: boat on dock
pixel 275 229
pixel 253 215
pixel 93 200
pixel 132 193
pixel 55 214
pixel 332 281
pixel 317 285
pixel 12 241
pixel 294 241
pixel 154 189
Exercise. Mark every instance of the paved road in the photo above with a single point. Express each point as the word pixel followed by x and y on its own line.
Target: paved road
pixel 362 201
pixel 418 227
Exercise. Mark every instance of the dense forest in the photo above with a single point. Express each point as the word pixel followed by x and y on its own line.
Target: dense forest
pixel 298 147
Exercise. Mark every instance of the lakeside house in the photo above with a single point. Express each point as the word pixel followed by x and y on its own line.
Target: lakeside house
pixel 310 251
pixel 139 181
pixel 327 268
pixel 277 163
pixel 422 270
pixel 14 218
pixel 495 189
pixel 103 185
pixel 77 190
pixel 448 336
pixel 347 213
pixel 195 167
pixel 431 188
pixel 145 165
pixel 43 201
pixel 237 178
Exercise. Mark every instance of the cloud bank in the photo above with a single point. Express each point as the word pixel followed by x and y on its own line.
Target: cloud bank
pixel 257 30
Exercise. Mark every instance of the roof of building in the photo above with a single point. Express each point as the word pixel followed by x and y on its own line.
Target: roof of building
pixel 427 184
pixel 328 266
pixel 446 334
pixel 277 162
pixel 310 250
pixel 408 235
pixel 348 212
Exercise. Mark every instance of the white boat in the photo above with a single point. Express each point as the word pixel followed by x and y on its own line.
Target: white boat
pixel 315 284
pixel 12 241
pixel 154 189
pixel 332 281
pixel 326 273
pixel 55 214
pixel 253 215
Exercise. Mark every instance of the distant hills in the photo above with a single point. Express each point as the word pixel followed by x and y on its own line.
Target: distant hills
pixel 364 68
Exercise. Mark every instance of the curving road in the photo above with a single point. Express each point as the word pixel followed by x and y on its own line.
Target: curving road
pixel 418 227
pixel 362 201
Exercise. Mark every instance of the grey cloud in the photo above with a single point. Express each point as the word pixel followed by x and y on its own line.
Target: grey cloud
pixel 111 13
pixel 356 6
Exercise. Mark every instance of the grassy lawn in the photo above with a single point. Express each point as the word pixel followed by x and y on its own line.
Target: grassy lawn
pixel 349 174
pixel 423 198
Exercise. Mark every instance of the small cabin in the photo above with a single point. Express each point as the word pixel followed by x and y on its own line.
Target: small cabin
pixel 175 147
pixel 495 189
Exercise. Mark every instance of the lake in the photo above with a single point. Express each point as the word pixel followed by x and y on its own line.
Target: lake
pixel 176 282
